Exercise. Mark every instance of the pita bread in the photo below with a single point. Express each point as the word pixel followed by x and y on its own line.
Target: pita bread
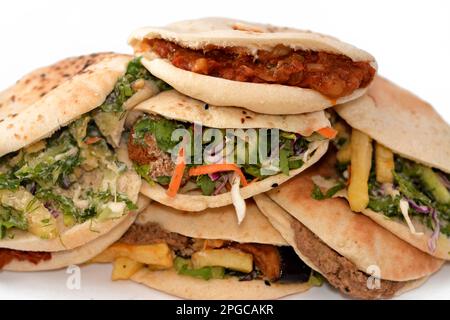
pixel 391 116
pixel 196 202
pixel 69 238
pixel 198 225
pixel 221 32
pixel 84 253
pixel 42 102
pixel 80 234
pixel 187 287
pixel 225 228
pixel 395 117
pixel 29 112
pixel 283 221
pixel 173 105
pixel 39 82
pixel 401 230
pixel 352 235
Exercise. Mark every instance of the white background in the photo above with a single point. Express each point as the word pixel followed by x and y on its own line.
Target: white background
pixel 410 39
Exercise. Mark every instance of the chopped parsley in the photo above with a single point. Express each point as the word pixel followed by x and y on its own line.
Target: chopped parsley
pixel 291 151
pixel 123 89
pixel 317 194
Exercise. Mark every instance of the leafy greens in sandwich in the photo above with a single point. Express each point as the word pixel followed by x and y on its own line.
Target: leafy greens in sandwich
pixel 398 188
pixel 345 247
pixel 397 170
pixel 223 160
pixel 181 254
pixel 55 181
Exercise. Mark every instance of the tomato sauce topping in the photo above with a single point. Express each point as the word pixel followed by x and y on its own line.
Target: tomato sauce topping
pixel 333 75
pixel 8 255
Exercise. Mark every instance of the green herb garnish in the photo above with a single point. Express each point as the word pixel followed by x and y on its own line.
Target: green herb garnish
pixel 317 194
pixel 206 184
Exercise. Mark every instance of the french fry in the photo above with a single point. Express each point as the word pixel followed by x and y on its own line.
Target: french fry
pixel 36 147
pixel 361 162
pixel 156 267
pixel 112 253
pixel 154 254
pixel 343 130
pixel 384 164
pixel 158 254
pixel 344 154
pixel 124 268
pixel 40 221
pixel 213 243
pixel 228 258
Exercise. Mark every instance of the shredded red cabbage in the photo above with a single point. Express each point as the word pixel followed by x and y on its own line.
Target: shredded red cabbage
pixel 55 213
pixel 432 242
pixel 378 191
pixel 444 180
pixel 297 149
pixel 214 176
pixel 417 207
pixel 31 187
pixel 222 185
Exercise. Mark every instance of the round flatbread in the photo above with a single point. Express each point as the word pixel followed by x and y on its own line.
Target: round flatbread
pixel 29 112
pixel 395 118
pixel 354 240
pixel 46 100
pixel 198 225
pixel 79 234
pixel 221 224
pixel 186 287
pixel 173 105
pixel 353 236
pixel 258 97
pixel 62 259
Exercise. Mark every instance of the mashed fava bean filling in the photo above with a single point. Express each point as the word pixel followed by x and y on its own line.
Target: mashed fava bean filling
pixel 333 75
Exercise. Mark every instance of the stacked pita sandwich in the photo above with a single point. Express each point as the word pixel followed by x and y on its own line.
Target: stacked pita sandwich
pixel 67 189
pixel 217 164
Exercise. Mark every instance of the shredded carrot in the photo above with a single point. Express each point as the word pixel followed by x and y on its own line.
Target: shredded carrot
pixel 92 140
pixel 175 181
pixel 213 168
pixel 327 132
